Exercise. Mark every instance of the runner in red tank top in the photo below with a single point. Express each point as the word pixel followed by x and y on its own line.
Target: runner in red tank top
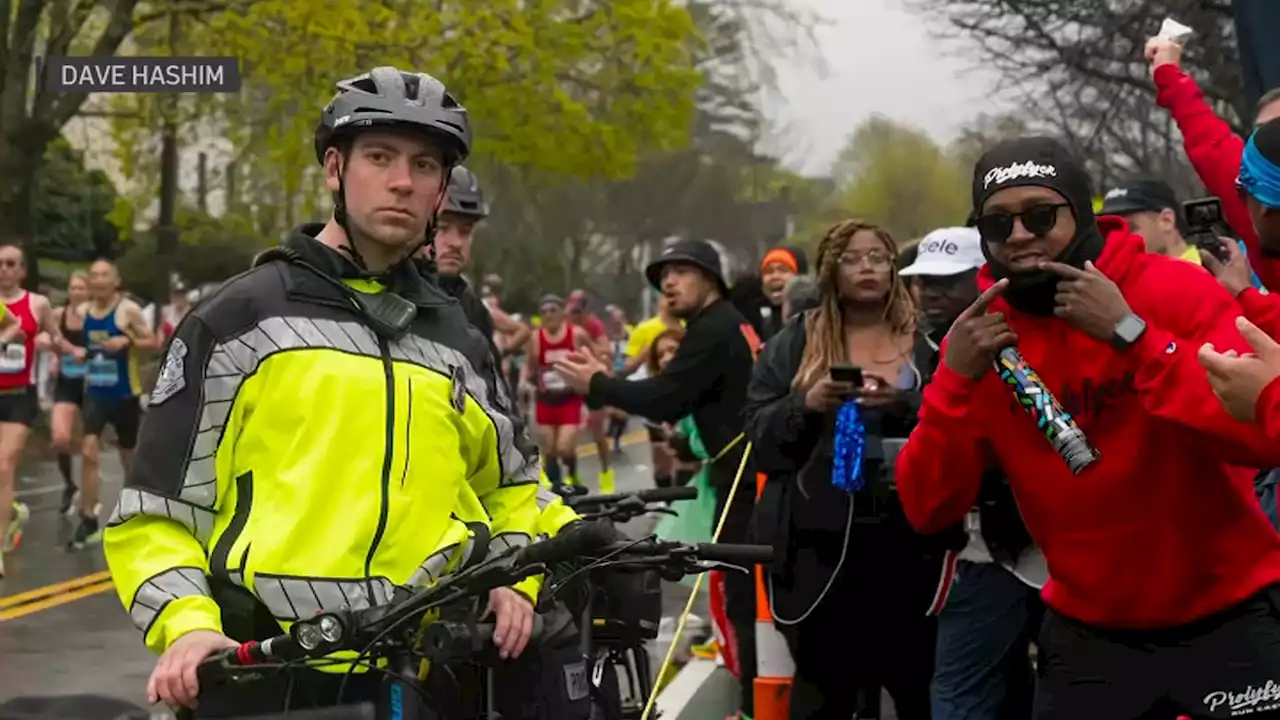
pixel 557 409
pixel 19 405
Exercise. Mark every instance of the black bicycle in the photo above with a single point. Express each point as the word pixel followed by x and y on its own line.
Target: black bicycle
pixel 391 639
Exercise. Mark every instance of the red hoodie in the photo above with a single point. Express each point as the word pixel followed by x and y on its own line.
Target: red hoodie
pixel 1159 531
pixel 1215 152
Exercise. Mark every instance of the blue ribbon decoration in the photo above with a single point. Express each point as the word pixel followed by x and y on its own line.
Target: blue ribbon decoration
pixel 850 442
pixel 1259 176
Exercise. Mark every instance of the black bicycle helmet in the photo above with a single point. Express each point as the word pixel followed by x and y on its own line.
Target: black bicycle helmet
pixel 384 97
pixel 465 196
pixel 387 96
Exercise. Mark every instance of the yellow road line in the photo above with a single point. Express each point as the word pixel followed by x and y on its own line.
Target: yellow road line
pixel 42 598
pixel 23 598
pixel 56 600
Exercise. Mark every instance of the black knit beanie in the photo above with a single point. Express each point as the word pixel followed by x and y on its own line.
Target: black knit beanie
pixel 1042 162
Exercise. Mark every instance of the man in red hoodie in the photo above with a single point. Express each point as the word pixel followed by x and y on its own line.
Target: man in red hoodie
pixel 1162 565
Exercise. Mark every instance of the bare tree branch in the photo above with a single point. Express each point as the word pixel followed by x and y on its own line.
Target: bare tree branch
pixel 1077 67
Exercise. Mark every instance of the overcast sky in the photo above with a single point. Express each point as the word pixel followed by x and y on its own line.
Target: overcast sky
pixel 879 58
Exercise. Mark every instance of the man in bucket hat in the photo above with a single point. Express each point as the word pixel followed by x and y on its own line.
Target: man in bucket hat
pixel 708 379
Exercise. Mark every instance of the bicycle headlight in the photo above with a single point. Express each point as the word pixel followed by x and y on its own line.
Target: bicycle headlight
pixel 330 628
pixel 308 635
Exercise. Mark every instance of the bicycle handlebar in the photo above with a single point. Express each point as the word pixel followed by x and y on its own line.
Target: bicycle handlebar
pixel 738 554
pixel 571 542
pixel 442 642
pixel 370 630
pixel 356 629
pixel 651 495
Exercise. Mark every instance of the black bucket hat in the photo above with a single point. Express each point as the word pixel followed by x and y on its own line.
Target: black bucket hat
pixel 698 253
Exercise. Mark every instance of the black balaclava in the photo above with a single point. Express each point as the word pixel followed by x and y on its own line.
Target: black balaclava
pixel 1042 162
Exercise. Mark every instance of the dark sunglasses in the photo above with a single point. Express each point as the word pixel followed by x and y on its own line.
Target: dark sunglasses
pixel 1038 220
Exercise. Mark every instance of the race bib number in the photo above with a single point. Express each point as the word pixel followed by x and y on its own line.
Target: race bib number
pixel 13 359
pixel 70 367
pixel 102 372
pixel 552 381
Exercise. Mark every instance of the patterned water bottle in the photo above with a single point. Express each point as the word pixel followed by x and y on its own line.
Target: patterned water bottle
pixel 1054 422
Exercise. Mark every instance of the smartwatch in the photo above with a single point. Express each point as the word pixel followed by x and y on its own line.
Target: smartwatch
pixel 1127 332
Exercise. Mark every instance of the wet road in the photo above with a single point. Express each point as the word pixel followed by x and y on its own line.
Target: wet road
pixel 62 628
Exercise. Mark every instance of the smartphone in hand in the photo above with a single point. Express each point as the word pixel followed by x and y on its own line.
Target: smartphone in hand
pixel 851 374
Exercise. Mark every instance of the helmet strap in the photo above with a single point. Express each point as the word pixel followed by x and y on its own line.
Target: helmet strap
pixel 340 217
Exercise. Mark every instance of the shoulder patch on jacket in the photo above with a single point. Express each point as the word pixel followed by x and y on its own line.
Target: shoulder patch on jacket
pixel 172 377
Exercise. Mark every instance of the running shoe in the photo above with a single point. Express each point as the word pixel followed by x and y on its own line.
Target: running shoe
pixel 87 533
pixel 21 514
pixel 707 650
pixel 607 482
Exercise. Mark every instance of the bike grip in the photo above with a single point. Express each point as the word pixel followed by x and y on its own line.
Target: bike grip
pixel 571 542
pixel 212 671
pixel 668 494
pixel 736 554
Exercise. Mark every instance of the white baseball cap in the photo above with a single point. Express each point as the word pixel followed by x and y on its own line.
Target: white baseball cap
pixel 947 251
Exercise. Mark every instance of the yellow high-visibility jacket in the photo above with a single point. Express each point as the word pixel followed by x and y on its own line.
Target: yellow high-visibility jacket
pixel 292 450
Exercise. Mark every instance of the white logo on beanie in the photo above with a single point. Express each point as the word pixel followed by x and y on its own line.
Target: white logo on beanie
pixel 1028 169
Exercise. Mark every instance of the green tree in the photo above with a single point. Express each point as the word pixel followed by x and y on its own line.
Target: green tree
pixel 593 233
pixel 211 250
pixel 896 176
pixel 574 88
pixel 72 208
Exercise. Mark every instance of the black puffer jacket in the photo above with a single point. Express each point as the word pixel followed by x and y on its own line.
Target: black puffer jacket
pixel 801 509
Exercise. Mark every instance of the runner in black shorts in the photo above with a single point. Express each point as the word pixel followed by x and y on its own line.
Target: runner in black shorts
pixel 68 388
pixel 114 328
